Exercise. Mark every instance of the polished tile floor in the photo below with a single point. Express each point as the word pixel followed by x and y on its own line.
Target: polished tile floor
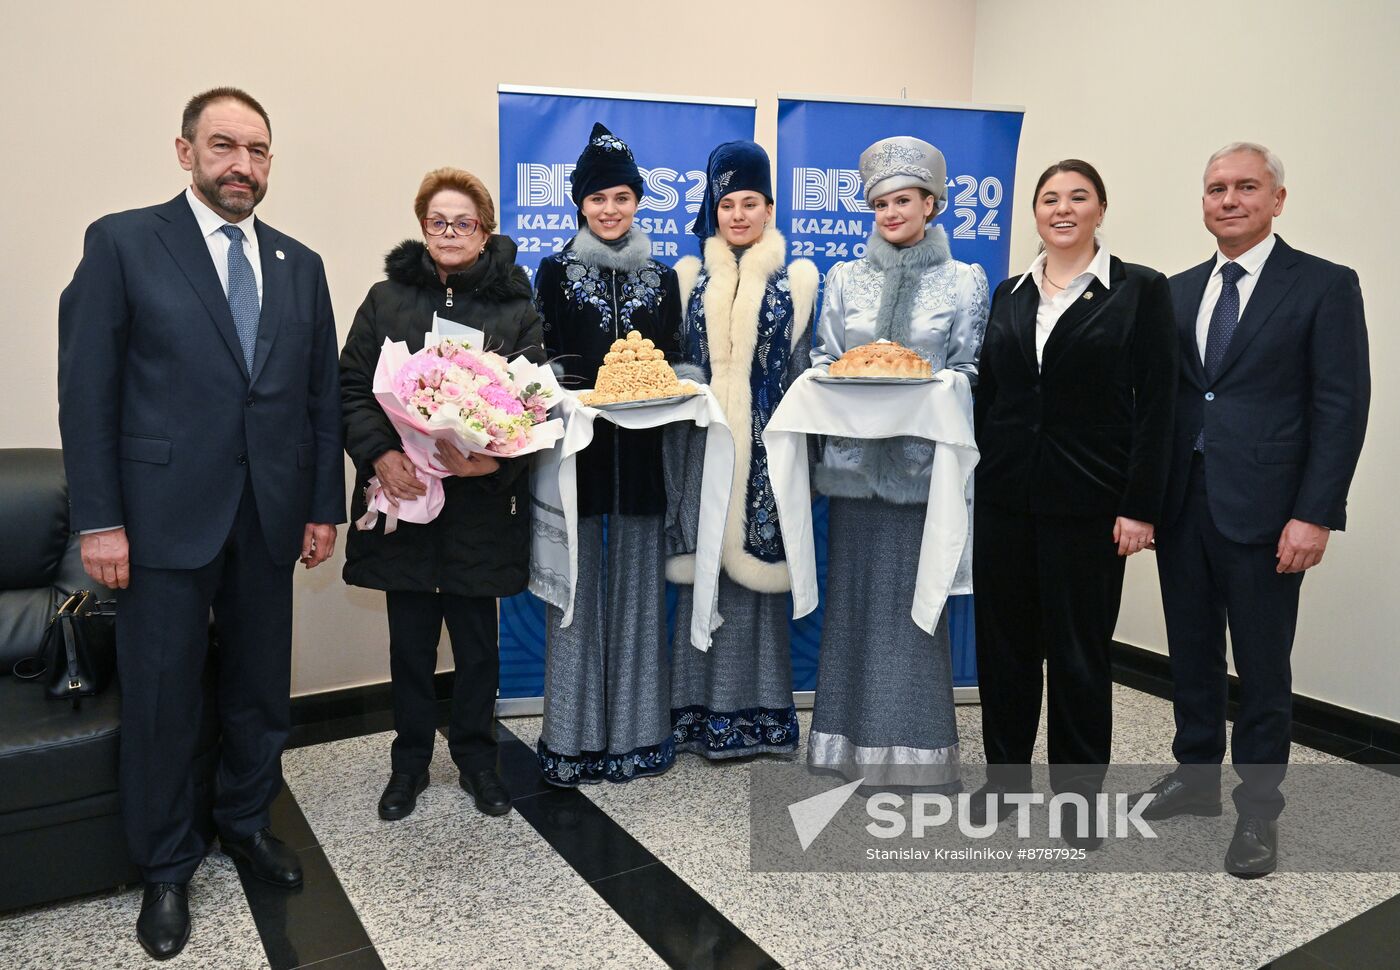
pixel 656 873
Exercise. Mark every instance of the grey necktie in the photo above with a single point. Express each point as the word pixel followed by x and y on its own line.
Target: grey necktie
pixel 243 293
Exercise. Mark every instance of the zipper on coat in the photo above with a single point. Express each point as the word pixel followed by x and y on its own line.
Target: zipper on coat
pixel 449 296
pixel 512 505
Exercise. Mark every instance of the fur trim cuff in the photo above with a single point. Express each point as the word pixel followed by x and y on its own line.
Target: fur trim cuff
pixel 681 569
pixel 755 574
pixel 848 483
pixel 690 372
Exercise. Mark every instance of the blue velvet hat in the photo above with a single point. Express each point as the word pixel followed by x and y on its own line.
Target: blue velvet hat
pixel 735 166
pixel 606 162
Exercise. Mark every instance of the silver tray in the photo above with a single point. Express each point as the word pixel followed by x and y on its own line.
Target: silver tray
pixel 828 379
pixel 649 402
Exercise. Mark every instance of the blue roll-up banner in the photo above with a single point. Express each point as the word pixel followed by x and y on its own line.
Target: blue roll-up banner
pixel 542 132
pixel 821 210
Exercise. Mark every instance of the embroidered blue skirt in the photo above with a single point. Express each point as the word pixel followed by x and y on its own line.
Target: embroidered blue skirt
pixel 607 711
pixel 735 699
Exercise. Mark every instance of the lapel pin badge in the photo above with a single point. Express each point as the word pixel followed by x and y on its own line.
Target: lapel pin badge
pixel 281 255
pixel 1088 294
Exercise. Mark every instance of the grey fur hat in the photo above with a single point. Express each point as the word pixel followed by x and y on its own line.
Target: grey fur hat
pixel 903 161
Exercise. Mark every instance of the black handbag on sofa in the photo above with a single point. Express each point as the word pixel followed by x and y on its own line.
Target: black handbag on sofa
pixel 78 654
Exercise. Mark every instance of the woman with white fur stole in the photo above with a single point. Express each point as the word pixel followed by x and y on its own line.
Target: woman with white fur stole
pixel 607 713
pixel 884 701
pixel 746 331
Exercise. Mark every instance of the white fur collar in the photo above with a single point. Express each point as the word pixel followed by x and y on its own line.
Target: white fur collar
pixel 634 254
pixel 733 299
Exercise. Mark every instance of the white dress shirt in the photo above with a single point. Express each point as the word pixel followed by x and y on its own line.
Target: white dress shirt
pixel 1251 262
pixel 210 224
pixel 1053 307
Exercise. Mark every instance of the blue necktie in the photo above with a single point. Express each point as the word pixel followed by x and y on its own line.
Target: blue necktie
pixel 243 294
pixel 1223 320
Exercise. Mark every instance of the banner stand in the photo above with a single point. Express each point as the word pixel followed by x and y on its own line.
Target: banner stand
pixel 542 132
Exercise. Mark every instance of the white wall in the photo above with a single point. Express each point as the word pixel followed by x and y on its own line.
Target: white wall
pixel 1146 92
pixel 365 97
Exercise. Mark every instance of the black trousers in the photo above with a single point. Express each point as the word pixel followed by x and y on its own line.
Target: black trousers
pixel 1047 592
pixel 162 644
pixel 415 626
pixel 1209 583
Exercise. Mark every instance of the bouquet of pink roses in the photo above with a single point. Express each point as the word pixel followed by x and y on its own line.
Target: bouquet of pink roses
pixel 473 398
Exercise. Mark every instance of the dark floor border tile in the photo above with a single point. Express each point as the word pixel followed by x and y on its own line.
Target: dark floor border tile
pixel 1317 724
pixel 679 924
pixel 1365 942
pixel 340 728
pixel 1368 940
pixel 316 924
pixel 365 959
pixel 350 702
pixel 1298 960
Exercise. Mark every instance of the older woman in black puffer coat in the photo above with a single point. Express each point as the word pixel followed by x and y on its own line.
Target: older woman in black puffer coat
pixel 478 548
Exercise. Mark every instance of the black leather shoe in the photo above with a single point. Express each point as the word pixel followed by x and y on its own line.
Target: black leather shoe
pixel 1254 849
pixel 486 790
pixel 267 857
pixel 1172 795
pixel 400 796
pixel 1069 826
pixel 164 924
pixel 977 805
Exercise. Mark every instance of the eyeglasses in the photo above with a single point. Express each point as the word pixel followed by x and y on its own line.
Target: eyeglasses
pixel 461 227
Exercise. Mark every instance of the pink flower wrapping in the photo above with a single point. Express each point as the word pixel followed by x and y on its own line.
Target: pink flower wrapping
pixel 472 398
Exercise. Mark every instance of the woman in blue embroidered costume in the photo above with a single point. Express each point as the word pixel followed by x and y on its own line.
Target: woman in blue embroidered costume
pixel 746 331
pixel 607 685
pixel 884 702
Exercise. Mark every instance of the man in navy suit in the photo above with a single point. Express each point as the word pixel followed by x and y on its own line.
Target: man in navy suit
pixel 199 405
pixel 1271 414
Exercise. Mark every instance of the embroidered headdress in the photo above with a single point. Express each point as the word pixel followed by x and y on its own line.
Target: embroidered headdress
pixel 606 162
pixel 901 162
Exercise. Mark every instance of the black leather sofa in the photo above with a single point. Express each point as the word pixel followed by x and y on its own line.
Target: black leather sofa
pixel 60 817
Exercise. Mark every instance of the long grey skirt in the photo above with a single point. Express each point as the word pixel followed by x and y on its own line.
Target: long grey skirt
pixel 607 710
pixel 884 702
pixel 736 699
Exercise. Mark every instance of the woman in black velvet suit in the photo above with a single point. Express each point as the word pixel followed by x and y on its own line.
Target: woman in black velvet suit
pixel 1074 421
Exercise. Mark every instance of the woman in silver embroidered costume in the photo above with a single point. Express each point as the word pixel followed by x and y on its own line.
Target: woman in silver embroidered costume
pixel 884 702
pixel 747 332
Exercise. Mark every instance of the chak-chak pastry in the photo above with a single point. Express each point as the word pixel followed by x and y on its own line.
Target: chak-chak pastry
pixel 634 370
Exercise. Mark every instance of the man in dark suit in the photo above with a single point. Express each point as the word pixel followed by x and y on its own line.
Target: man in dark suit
pixel 199 405
pixel 1271 415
